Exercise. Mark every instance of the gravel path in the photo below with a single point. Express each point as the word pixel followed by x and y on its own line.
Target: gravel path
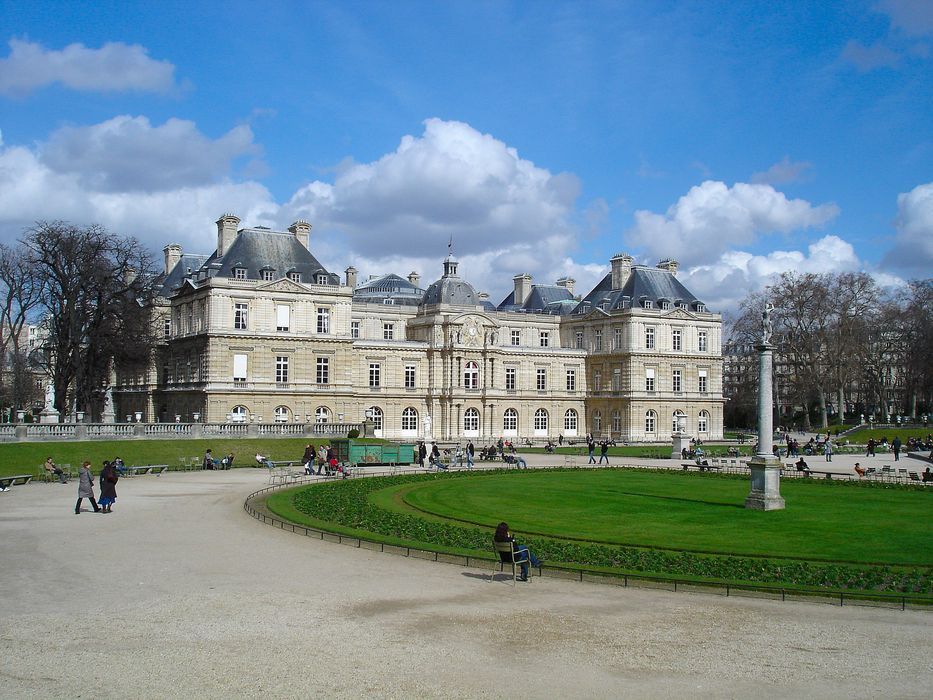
pixel 179 593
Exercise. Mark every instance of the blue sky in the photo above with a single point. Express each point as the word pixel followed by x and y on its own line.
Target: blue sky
pixel 740 138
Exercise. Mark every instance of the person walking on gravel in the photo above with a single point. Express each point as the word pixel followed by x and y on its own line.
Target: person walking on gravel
pixel 86 488
pixel 108 487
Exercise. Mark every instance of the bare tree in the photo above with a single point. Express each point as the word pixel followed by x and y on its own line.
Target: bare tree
pixel 95 290
pixel 20 296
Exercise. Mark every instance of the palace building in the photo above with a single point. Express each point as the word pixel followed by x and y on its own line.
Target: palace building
pixel 259 331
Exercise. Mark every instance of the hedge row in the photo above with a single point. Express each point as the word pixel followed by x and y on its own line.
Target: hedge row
pixel 346 503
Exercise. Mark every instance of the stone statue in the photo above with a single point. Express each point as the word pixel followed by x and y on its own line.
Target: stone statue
pixel 766 327
pixel 49 396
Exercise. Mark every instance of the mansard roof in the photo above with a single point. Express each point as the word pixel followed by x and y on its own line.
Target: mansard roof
pixel 187 265
pixel 257 249
pixel 451 289
pixel 388 289
pixel 543 299
pixel 644 284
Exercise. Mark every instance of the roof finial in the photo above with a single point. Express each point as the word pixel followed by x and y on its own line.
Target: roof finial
pixel 450 245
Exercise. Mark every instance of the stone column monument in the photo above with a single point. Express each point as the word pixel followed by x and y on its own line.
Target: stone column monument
pixel 765 466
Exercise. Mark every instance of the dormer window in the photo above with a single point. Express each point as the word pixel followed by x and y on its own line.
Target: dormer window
pixel 321 279
pixel 701 307
pixel 267 275
pixel 294 276
pixel 648 304
pixel 388 301
pixel 665 305
pixel 239 273
pixel 682 305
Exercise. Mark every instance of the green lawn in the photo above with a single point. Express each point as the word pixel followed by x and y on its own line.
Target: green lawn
pixel 688 512
pixel 862 435
pixel 25 457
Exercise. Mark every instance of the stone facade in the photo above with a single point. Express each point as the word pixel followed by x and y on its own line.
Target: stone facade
pixel 263 333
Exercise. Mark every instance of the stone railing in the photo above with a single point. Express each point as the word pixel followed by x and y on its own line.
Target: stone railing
pixel 37 432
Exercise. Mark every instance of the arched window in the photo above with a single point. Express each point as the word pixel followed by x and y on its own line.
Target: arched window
pixel 540 422
pixel 616 422
pixel 282 414
pixel 510 422
pixel 651 419
pixel 597 422
pixel 570 422
pixel 675 422
pixel 409 420
pixel 471 422
pixel 471 375
pixel 239 414
pixel 374 413
pixel 703 422
pixel 322 414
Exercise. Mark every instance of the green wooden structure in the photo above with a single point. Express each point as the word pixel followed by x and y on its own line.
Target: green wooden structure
pixel 357 453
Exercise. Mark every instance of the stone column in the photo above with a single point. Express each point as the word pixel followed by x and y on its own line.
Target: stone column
pixel 765 491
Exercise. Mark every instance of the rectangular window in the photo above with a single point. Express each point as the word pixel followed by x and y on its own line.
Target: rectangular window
pixel 571 380
pixel 578 340
pixel 617 379
pixel 675 380
pixel 649 338
pixel 282 313
pixel 375 371
pixel 544 339
pixel 240 316
pixel 597 379
pixel 294 276
pixel 649 379
pixel 239 368
pixel 597 340
pixel 239 273
pixel 323 370
pixel 267 275
pixel 323 320
pixel 167 328
pixel 510 379
pixel 409 376
pixel 354 329
pixel 701 341
pixel 676 340
pixel 701 381
pixel 388 331
pixel 616 338
pixel 516 337
pixel 281 369
pixel 541 379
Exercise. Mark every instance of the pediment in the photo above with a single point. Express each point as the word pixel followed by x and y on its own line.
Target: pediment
pixel 283 285
pixel 679 315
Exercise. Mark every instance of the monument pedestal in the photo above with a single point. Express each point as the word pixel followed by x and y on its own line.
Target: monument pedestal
pixel 681 442
pixel 766 484
pixel 49 415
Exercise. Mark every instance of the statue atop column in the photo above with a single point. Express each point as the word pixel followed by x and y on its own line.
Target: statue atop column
pixel 767 328
pixel 48 413
pixel 49 395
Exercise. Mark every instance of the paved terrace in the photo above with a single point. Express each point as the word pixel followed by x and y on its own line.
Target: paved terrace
pixel 179 593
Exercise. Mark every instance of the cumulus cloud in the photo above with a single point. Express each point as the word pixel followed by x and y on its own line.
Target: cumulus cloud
pixel 127 154
pixel 713 217
pixel 724 282
pixel 913 17
pixel 913 245
pixel 113 67
pixel 783 172
pixel 450 181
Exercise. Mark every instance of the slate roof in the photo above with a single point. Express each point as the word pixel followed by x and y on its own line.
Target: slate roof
pixel 645 283
pixel 188 265
pixel 451 289
pixel 399 289
pixel 258 249
pixel 544 298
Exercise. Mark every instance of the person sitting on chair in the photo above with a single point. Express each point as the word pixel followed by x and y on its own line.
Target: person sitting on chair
pixel 435 461
pixel 52 468
pixel 263 461
pixel 802 466
pixel 859 470
pixel 522 554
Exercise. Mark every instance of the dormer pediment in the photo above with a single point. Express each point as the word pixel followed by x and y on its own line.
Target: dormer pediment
pixel 283 285
pixel 679 315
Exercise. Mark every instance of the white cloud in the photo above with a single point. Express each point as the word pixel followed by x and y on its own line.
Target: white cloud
pixel 868 58
pixel 127 153
pixel 913 17
pixel 782 172
pixel 913 246
pixel 713 217
pixel 450 181
pixel 111 68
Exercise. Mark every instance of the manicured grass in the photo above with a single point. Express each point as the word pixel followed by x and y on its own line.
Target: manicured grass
pixel 641 451
pixel 25 457
pixel 679 511
pixel 862 435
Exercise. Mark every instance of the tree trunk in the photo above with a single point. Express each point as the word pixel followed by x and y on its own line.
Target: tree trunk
pixel 841 405
pixel 824 423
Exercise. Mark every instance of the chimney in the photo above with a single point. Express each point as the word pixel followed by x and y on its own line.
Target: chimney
pixel 172 256
pixel 567 283
pixel 302 231
pixel 351 277
pixel 668 265
pixel 621 269
pixel 522 288
pixel 226 232
pixel 414 278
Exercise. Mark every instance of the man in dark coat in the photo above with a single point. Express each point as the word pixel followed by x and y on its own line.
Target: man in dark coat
pixel 108 487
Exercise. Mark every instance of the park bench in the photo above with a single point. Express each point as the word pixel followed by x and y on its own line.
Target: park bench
pixel 18 480
pixel 703 466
